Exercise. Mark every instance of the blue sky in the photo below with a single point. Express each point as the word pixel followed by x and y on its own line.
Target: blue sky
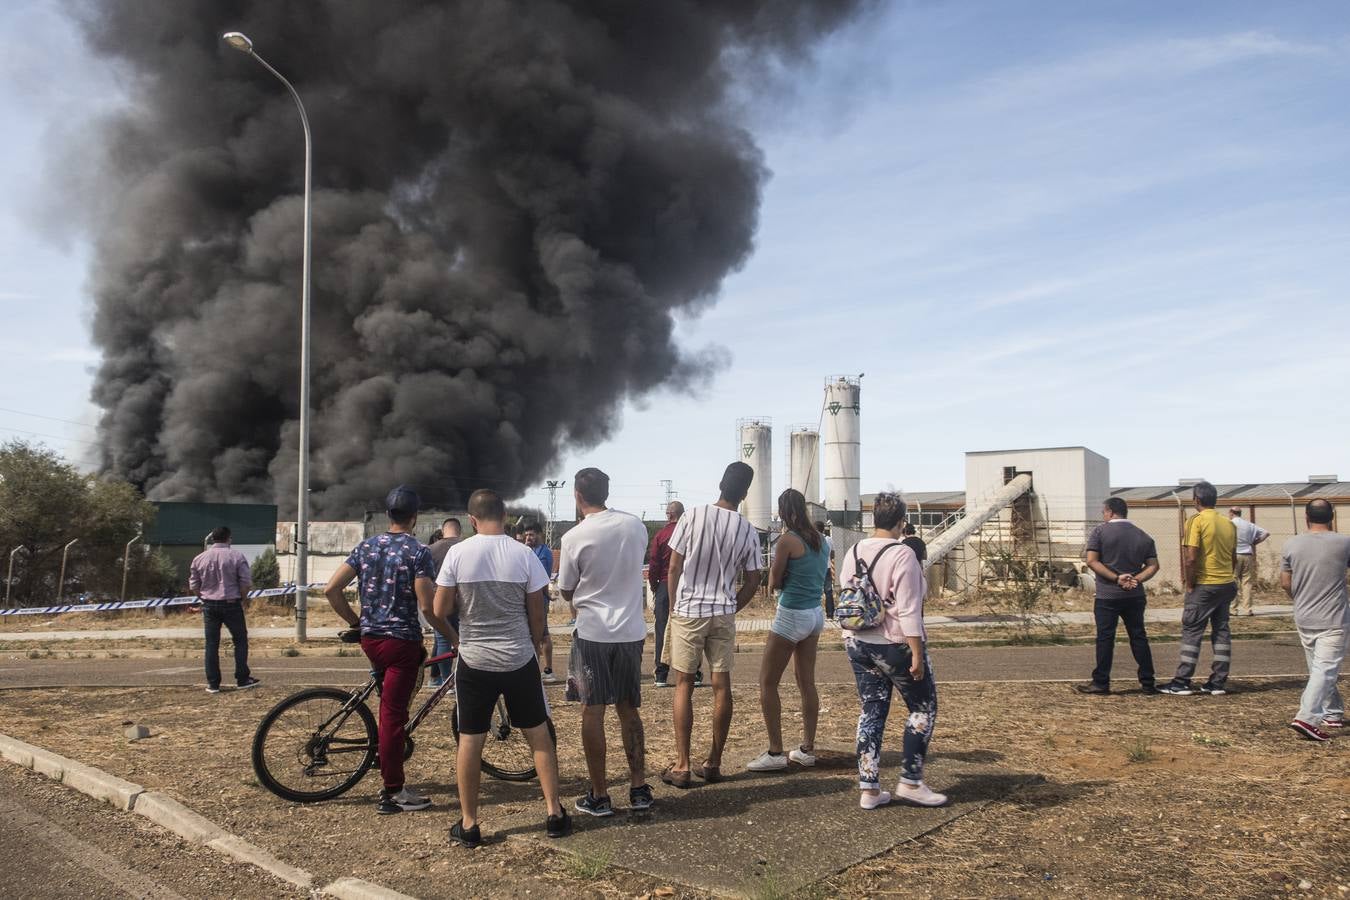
pixel 1030 224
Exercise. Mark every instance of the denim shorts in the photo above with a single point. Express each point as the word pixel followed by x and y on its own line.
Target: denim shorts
pixel 797 625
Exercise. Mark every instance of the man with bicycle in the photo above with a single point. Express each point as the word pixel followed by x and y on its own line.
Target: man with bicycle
pixel 395 579
pixel 496 585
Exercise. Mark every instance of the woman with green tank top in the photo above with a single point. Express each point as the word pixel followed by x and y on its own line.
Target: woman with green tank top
pixel 801 563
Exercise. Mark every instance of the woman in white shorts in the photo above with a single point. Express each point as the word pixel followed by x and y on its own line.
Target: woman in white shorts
pixel 801 563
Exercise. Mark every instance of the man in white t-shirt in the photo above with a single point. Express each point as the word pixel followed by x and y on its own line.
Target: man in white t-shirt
pixel 1249 534
pixel 710 547
pixel 600 576
pixel 496 586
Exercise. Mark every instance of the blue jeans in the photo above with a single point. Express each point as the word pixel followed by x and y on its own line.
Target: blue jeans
pixel 441 670
pixel 229 613
pixel 879 670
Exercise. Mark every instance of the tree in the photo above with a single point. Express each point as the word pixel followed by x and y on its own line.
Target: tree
pixel 45 502
pixel 266 572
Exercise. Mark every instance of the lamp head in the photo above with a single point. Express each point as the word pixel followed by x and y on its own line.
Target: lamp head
pixel 238 40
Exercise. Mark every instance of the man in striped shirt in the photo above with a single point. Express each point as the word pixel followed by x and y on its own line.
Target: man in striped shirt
pixel 710 547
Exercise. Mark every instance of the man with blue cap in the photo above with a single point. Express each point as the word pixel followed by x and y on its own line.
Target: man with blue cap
pixel 395 578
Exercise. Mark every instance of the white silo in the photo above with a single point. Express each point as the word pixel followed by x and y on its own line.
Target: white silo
pixel 755 446
pixel 842 449
pixel 804 462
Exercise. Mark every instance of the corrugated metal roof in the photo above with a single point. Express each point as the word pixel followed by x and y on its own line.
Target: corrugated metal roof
pixel 1228 493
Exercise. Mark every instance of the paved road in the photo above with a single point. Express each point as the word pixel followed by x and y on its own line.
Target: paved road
pixel 59 844
pixel 1169 614
pixel 1265 657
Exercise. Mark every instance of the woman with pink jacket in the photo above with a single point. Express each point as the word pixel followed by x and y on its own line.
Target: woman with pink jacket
pixel 891 656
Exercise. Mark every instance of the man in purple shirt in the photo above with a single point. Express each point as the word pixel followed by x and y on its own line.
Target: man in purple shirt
pixel 220 578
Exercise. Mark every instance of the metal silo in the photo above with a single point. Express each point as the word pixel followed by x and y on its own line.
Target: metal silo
pixel 756 450
pixel 804 461
pixel 842 449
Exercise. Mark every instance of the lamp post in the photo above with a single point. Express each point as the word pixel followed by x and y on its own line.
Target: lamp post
pixel 61 579
pixel 241 42
pixel 126 562
pixel 9 576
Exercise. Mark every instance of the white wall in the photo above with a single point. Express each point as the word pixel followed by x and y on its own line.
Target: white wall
pixel 1070 483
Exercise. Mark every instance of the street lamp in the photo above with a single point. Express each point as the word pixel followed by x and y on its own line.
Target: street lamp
pixel 61 579
pixel 241 42
pixel 9 576
pixel 126 561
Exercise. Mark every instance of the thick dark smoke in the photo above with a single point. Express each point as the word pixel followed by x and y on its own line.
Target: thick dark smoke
pixel 512 199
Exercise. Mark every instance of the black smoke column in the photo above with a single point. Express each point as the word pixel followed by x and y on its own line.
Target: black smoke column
pixel 512 197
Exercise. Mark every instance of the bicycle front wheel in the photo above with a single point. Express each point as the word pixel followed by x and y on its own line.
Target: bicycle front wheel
pixel 506 754
pixel 314 745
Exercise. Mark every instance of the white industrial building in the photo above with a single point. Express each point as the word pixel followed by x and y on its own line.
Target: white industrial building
pixel 1042 502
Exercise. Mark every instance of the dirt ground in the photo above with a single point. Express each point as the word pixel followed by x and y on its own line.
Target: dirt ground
pixel 1143 796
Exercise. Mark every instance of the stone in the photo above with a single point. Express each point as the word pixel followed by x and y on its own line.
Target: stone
pixel 136 732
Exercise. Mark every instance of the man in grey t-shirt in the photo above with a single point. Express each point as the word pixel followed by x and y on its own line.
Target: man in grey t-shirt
pixel 1122 557
pixel 1312 570
pixel 496 585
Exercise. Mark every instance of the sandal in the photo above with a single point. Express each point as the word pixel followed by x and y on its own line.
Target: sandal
pixel 710 774
pixel 680 780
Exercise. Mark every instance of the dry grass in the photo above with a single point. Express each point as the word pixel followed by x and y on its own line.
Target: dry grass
pixel 1250 810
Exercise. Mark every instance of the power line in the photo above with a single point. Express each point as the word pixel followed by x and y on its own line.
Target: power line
pixel 54 437
pixel 19 412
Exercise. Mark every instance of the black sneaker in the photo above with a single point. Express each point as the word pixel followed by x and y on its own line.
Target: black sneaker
pixel 592 805
pixel 468 838
pixel 1091 687
pixel 1213 691
pixel 251 683
pixel 640 797
pixel 1150 689
pixel 401 801
pixel 1176 690
pixel 558 826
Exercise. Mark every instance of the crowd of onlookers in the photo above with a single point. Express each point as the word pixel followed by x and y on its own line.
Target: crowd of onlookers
pixel 1218 568
pixel 486 598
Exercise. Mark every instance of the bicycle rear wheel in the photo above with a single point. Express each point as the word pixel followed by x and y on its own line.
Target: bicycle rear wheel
pixel 314 746
pixel 506 754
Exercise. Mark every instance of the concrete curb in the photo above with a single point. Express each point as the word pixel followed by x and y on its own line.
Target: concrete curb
pixel 254 855
pixel 168 813
pixel 101 786
pixel 356 889
pixel 165 811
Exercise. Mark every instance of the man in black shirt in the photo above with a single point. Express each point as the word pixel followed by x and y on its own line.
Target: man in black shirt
pixel 1122 557
pixel 915 543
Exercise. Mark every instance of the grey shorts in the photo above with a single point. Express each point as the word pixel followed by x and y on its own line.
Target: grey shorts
pixel 606 673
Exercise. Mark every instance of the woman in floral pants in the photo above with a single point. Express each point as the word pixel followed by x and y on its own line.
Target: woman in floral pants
pixel 892 656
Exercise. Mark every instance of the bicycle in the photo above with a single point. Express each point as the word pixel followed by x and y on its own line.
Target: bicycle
pixel 307 738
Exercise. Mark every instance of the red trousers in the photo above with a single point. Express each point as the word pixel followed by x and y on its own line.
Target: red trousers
pixel 400 661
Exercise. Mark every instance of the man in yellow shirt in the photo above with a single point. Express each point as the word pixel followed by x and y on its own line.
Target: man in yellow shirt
pixel 1208 560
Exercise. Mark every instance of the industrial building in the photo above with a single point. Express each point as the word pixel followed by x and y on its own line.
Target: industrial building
pixel 181 529
pixel 1041 503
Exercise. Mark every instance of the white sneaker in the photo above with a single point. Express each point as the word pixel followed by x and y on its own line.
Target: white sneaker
pixel 802 757
pixel 550 678
pixel 867 801
pixel 920 795
pixel 767 762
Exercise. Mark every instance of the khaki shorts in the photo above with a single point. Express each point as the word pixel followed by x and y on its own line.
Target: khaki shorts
pixel 690 639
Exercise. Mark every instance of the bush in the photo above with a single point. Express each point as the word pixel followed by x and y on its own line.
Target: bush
pixel 266 572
